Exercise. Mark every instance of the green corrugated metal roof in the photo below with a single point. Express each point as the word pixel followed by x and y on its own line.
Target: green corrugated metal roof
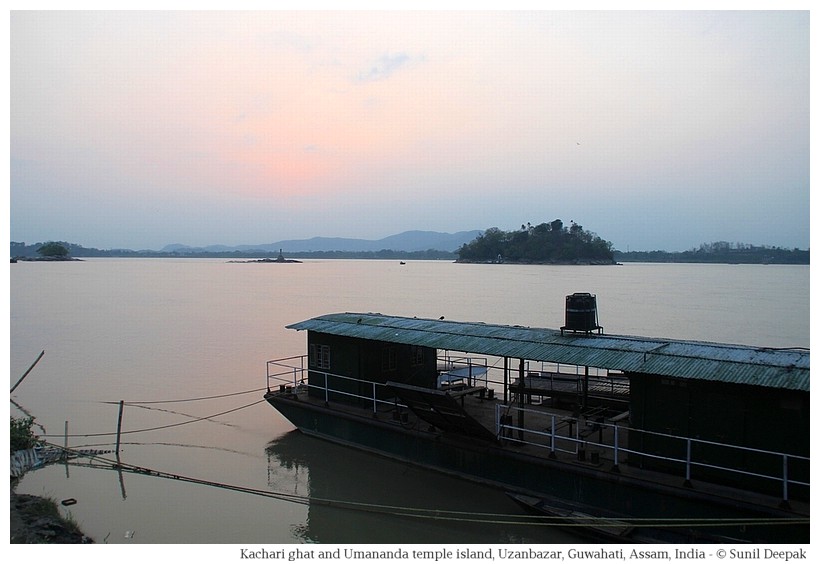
pixel 738 364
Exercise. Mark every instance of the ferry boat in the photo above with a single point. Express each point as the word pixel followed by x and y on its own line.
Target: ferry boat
pixel 703 440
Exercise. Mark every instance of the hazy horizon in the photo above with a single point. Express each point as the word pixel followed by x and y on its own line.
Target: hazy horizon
pixel 657 130
pixel 331 237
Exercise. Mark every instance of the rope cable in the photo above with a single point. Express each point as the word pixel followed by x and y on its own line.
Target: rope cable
pixel 170 425
pixel 171 411
pixel 189 399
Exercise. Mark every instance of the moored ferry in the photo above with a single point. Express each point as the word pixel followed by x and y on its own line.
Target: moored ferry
pixel 704 441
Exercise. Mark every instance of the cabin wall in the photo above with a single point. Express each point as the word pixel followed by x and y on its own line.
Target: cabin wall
pixel 369 360
pixel 760 418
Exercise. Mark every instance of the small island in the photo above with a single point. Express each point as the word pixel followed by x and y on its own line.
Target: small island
pixel 48 252
pixel 279 259
pixel 546 243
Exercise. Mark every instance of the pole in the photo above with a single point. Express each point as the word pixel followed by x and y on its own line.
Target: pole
pixel 506 380
pixel 119 429
pixel 65 450
pixel 521 399
pixel 30 368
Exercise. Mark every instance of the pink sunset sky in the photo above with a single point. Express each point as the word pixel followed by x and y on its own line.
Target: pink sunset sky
pixel 656 130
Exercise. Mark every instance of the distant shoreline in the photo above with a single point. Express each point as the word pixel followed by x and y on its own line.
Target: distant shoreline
pixel 619 261
pixel 750 255
pixel 719 252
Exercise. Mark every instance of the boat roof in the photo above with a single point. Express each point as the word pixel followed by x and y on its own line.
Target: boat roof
pixel 784 368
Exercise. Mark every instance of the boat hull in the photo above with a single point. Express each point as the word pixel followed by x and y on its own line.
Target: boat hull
pixel 503 467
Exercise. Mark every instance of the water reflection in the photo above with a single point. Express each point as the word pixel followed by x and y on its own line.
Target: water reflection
pixel 356 497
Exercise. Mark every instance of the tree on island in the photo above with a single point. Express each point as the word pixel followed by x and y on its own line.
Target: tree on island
pixel 53 250
pixel 544 243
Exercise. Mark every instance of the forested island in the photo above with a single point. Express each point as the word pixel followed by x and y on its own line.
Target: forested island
pixel 721 252
pixel 545 243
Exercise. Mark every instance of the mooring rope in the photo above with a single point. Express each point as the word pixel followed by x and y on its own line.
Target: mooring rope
pixel 170 425
pixel 255 391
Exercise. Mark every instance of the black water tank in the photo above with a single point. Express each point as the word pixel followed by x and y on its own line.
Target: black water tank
pixel 581 313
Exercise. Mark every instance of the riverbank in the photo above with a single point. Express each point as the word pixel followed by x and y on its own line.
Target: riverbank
pixel 36 520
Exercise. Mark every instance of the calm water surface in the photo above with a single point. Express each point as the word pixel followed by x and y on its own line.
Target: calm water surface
pixel 178 331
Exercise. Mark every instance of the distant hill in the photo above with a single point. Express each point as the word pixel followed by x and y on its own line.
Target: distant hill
pixel 409 241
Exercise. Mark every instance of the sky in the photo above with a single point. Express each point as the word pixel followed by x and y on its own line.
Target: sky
pixel 655 130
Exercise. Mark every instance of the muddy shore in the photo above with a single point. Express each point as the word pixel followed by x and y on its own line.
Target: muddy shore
pixel 35 520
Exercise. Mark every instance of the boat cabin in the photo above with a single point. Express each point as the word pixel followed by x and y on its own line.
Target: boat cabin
pixel 762 419
pixel 346 367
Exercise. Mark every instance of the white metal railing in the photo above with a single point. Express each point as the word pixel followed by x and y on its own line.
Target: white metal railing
pixel 475 369
pixel 287 373
pixel 293 370
pixel 549 437
pixel 615 385
pixel 543 429
pixel 278 369
pixel 579 370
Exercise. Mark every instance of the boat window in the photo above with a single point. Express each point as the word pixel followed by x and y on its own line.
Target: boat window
pixel 416 355
pixel 320 356
pixel 389 358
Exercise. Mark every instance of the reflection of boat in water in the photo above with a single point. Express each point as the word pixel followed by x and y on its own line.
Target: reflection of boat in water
pixel 354 496
pixel 646 427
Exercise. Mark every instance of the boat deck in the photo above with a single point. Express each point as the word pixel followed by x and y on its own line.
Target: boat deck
pixel 583 440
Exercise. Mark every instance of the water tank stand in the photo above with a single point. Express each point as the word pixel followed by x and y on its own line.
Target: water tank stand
pixel 589 331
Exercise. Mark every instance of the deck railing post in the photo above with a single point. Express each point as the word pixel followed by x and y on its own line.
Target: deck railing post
pixel 688 481
pixel 374 399
pixel 552 436
pixel 616 429
pixel 506 380
pixel 785 478
pixel 327 395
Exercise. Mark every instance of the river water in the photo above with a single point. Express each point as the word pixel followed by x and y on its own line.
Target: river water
pixel 183 343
